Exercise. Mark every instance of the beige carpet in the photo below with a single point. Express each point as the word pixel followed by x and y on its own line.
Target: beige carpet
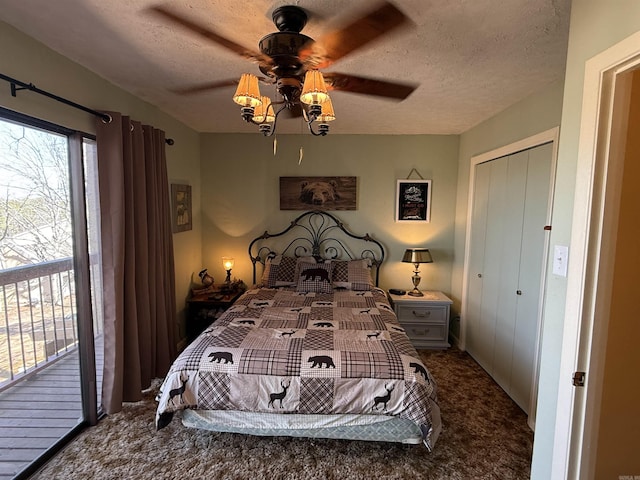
pixel 485 436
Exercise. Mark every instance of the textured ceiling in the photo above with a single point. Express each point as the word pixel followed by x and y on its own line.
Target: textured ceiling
pixel 471 58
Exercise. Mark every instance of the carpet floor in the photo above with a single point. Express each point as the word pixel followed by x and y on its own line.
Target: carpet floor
pixel 485 436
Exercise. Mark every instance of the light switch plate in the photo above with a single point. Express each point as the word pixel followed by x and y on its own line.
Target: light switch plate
pixel 560 260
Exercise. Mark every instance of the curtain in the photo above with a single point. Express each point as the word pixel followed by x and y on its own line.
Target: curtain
pixel 137 259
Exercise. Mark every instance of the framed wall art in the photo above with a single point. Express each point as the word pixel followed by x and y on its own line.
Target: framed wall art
pixel 318 193
pixel 413 201
pixel 181 208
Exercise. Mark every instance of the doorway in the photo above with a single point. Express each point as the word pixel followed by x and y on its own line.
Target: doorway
pixel 48 361
pixel 598 228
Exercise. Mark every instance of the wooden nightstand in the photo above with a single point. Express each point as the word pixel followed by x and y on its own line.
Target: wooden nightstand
pixel 204 308
pixel 425 319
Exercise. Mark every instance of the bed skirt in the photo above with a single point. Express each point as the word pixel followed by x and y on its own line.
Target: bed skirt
pixel 376 428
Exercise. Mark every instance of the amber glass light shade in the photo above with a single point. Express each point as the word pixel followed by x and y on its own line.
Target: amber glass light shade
pixel 314 90
pixel 227 263
pixel 248 94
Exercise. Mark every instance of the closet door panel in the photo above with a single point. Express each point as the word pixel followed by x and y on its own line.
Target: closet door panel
pixel 494 242
pixel 482 182
pixel 532 264
pixel 512 218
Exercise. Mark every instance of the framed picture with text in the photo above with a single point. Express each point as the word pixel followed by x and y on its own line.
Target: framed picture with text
pixel 413 201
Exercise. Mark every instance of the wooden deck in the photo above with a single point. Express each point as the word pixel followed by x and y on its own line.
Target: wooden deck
pixel 37 411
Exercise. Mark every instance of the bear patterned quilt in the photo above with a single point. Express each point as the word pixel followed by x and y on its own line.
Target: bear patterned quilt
pixel 282 351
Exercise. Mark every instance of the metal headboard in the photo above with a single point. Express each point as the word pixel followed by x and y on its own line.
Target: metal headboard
pixel 320 234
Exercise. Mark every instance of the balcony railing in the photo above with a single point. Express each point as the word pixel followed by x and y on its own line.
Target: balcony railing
pixel 38 317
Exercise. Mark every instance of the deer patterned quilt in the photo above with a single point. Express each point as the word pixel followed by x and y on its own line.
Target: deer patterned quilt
pixel 281 351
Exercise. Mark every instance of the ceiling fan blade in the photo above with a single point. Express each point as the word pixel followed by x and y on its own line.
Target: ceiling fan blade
pixel 215 85
pixel 205 86
pixel 338 43
pixel 368 86
pixel 209 34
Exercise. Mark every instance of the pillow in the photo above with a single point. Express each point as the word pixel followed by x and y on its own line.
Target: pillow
pixel 352 274
pixel 315 278
pixel 280 271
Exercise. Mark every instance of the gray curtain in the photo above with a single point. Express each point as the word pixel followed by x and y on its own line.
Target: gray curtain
pixel 137 259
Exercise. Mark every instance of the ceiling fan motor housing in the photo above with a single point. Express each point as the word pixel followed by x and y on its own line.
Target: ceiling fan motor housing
pixel 283 46
pixel 283 49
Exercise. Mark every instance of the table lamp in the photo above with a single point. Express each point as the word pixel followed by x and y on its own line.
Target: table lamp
pixel 227 263
pixel 416 256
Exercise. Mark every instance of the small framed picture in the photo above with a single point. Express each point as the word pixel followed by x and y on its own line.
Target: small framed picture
pixel 181 208
pixel 413 201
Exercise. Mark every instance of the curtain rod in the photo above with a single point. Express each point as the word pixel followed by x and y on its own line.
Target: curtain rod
pixel 17 85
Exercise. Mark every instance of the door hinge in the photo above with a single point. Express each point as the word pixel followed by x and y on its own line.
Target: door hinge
pixel 579 379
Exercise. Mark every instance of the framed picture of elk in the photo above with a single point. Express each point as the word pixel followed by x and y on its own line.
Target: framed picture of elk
pixel 413 201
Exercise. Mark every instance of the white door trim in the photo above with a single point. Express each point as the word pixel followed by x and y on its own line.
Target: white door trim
pixel 533 141
pixel 580 350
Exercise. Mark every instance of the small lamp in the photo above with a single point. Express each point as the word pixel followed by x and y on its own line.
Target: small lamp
pixel 416 256
pixel 227 263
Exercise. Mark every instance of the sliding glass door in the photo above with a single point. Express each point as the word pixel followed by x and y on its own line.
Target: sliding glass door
pixel 48 333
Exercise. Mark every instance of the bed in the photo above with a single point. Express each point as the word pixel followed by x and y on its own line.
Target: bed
pixel 313 350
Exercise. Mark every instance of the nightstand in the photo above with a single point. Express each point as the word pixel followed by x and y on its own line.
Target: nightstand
pixel 205 308
pixel 425 319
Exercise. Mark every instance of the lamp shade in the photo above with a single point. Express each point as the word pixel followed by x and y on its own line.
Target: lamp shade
pixel 417 255
pixel 264 112
pixel 247 93
pixel 327 114
pixel 314 90
pixel 227 263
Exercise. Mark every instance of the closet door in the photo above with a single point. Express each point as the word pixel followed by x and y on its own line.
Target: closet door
pixel 506 261
pixel 507 255
pixel 530 279
pixel 478 341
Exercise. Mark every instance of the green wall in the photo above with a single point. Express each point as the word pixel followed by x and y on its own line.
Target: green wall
pixel 29 61
pixel 240 196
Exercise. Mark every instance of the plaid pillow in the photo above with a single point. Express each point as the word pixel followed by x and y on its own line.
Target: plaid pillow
pixel 280 271
pixel 352 274
pixel 315 278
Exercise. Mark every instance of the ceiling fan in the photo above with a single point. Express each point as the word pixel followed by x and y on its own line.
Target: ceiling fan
pixel 292 61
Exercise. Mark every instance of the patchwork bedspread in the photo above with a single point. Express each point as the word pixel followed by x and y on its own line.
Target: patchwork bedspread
pixel 280 351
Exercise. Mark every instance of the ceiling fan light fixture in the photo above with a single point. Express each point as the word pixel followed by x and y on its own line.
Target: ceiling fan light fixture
pixel 264 112
pixel 248 94
pixel 314 90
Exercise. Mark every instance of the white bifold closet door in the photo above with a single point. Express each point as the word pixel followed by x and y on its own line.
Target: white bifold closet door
pixel 506 264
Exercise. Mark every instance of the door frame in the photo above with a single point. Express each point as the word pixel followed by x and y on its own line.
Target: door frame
pixel 547 136
pixel 598 176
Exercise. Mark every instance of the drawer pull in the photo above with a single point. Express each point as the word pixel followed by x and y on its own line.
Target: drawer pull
pixel 421 314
